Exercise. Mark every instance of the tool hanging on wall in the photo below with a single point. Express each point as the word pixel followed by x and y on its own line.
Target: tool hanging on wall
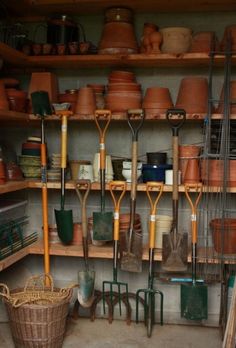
pixel 102 221
pixel 42 108
pixel 175 244
pixel 87 276
pixel 194 296
pixel 131 257
pixel 64 218
pixel 115 287
pixel 152 188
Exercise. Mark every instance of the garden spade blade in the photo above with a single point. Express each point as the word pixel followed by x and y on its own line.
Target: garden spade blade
pixel 64 218
pixel 102 221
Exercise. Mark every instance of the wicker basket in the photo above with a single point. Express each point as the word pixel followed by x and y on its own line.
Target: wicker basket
pixel 37 313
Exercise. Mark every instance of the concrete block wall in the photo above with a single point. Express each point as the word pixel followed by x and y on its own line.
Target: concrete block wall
pixel 83 144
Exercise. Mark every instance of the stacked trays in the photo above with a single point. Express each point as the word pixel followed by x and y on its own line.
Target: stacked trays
pixel 29 161
pixel 54 173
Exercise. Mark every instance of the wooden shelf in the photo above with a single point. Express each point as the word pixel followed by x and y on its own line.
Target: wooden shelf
pixel 28 8
pixel 16 58
pixel 17 256
pixel 106 252
pixel 12 186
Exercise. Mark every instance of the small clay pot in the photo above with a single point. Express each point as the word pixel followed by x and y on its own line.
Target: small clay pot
pixel 61 49
pixel 37 49
pixel 73 47
pixel 192 173
pixel 86 101
pixel 187 152
pixel 84 47
pixel 77 234
pixel 17 99
pixel 204 41
pixel 46 49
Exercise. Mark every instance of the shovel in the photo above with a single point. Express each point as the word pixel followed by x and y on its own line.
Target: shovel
pixel 86 277
pixel 152 188
pixel 64 218
pixel 41 107
pixel 102 221
pixel 115 287
pixel 175 244
pixel 194 295
pixel 131 258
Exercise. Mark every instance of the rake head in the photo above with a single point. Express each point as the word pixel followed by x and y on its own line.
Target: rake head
pixel 114 291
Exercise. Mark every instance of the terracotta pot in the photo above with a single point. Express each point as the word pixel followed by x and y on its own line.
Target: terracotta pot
pixel 220 108
pixel 77 234
pixel 187 152
pixel 47 49
pixel 224 235
pixel 193 95
pixel 229 33
pixel 13 172
pixel 192 173
pixel 86 101
pixel 73 47
pixel 37 49
pixel 4 103
pixel 84 47
pixel 212 172
pixel 119 36
pixel 204 41
pixel 17 99
pixel 70 96
pixel 61 49
pixel 176 40
pixel 159 95
pixel 44 81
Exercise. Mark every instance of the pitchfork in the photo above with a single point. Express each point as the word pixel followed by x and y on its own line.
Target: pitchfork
pixel 115 285
pixel 149 294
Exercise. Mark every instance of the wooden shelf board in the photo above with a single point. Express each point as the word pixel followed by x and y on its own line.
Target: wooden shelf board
pixel 17 256
pixel 12 186
pixel 106 252
pixel 28 8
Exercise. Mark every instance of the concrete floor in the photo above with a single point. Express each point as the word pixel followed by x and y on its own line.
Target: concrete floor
pixel 101 334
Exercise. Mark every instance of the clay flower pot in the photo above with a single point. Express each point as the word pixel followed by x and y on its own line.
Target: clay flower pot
pixel 86 101
pixel 220 108
pixel 118 37
pixel 187 152
pixel 204 41
pixel 70 96
pixel 229 33
pixel 156 101
pixel 224 235
pixel 192 173
pixel 17 99
pixel 73 47
pixel 193 95
pixel 176 40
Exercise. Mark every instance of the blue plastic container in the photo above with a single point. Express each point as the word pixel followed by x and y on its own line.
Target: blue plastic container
pixel 152 172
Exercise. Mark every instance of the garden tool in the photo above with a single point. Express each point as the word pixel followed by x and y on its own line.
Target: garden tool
pixel 152 188
pixel 64 218
pixel 115 287
pixel 102 221
pixel 87 276
pixel 131 257
pixel 175 244
pixel 41 107
pixel 194 295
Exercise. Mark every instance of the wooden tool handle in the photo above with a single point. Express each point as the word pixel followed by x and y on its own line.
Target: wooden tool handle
pixel 175 167
pixel 105 116
pixel 113 186
pixel 63 141
pixel 197 188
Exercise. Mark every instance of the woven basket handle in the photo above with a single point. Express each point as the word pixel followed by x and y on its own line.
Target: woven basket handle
pixel 4 292
pixel 38 282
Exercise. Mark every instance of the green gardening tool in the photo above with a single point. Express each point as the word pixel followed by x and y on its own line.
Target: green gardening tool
pixel 194 295
pixel 102 221
pixel 115 287
pixel 64 218
pixel 152 188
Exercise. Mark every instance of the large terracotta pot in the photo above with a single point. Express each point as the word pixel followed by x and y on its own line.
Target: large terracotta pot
pixel 224 235
pixel 187 152
pixel 193 95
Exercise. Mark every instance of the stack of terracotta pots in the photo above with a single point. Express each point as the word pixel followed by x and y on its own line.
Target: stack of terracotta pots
pixel 212 172
pixel 204 41
pixel 156 101
pixel 118 35
pixel 220 108
pixel 86 102
pixel 123 92
pixel 193 95
pixel 69 96
pixel 189 163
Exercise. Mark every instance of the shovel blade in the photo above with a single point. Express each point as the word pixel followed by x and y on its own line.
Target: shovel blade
pixel 194 301
pixel 131 261
pixel 86 288
pixel 103 226
pixel 64 221
pixel 175 259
